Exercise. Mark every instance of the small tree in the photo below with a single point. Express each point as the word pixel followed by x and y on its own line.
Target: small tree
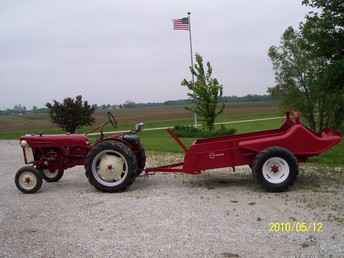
pixel 71 114
pixel 205 93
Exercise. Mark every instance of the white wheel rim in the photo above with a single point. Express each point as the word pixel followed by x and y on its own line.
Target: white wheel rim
pixel 27 180
pixel 49 174
pixel 109 168
pixel 276 170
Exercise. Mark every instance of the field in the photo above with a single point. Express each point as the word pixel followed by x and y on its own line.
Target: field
pixel 12 127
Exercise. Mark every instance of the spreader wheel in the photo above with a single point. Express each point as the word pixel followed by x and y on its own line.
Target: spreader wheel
pixel 111 166
pixel 276 169
pixel 28 179
pixel 52 176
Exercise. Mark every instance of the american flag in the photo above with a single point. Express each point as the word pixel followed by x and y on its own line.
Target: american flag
pixel 181 24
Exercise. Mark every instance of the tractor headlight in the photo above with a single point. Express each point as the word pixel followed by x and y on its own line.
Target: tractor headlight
pixel 24 143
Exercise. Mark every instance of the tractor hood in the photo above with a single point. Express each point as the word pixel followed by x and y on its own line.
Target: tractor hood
pixel 58 140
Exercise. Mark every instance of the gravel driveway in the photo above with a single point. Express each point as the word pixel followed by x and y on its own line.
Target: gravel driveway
pixel 218 214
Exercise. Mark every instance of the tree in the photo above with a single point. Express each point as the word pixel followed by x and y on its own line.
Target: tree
pixel 324 31
pixel 205 93
pixel 296 75
pixel 129 104
pixel 19 108
pixel 71 114
pixel 309 67
pixel 324 27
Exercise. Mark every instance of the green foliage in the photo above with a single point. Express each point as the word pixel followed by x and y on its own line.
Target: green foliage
pixel 129 104
pixel 205 93
pixel 324 31
pixel 71 114
pixel 296 75
pixel 324 28
pixel 193 132
pixel 309 66
pixel 334 157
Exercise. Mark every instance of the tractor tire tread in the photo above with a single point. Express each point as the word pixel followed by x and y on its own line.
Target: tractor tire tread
pixel 54 179
pixel 126 152
pixel 275 152
pixel 35 171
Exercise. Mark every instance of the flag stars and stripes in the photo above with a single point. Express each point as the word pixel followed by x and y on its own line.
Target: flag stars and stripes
pixel 181 24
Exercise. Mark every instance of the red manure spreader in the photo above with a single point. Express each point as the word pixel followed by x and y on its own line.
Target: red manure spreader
pixel 113 163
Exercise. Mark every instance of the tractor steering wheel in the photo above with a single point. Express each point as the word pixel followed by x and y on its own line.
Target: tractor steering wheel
pixel 112 120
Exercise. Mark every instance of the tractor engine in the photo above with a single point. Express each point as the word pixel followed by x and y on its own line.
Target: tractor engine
pixel 49 158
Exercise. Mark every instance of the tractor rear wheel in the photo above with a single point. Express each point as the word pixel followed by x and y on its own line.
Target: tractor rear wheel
pixel 275 169
pixel 52 176
pixel 28 179
pixel 141 161
pixel 111 166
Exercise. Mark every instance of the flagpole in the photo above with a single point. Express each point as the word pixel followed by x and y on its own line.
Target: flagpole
pixel 192 64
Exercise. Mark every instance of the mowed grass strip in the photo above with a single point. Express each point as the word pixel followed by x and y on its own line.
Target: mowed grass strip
pixel 160 140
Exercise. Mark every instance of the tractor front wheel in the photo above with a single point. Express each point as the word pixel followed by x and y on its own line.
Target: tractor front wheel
pixel 52 176
pixel 28 179
pixel 275 169
pixel 111 166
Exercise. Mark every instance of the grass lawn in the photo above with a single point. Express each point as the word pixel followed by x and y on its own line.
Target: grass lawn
pixel 334 157
pixel 161 141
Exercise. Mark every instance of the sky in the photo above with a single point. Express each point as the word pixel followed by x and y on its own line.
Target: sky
pixel 114 51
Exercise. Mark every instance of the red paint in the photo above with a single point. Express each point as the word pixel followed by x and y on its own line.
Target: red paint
pixel 241 149
pixel 65 150
pixel 274 168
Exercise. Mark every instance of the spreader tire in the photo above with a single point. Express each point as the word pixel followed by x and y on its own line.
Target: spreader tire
pixel 51 177
pixel 28 179
pixel 275 169
pixel 111 166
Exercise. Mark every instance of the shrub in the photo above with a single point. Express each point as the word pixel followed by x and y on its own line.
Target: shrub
pixel 194 132
pixel 71 114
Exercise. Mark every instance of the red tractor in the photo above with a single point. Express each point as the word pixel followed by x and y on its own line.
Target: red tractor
pixel 111 164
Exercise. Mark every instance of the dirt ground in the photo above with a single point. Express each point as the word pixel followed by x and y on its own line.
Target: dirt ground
pixel 216 214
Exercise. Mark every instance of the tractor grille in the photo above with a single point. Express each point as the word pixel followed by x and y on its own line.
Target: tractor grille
pixel 28 154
